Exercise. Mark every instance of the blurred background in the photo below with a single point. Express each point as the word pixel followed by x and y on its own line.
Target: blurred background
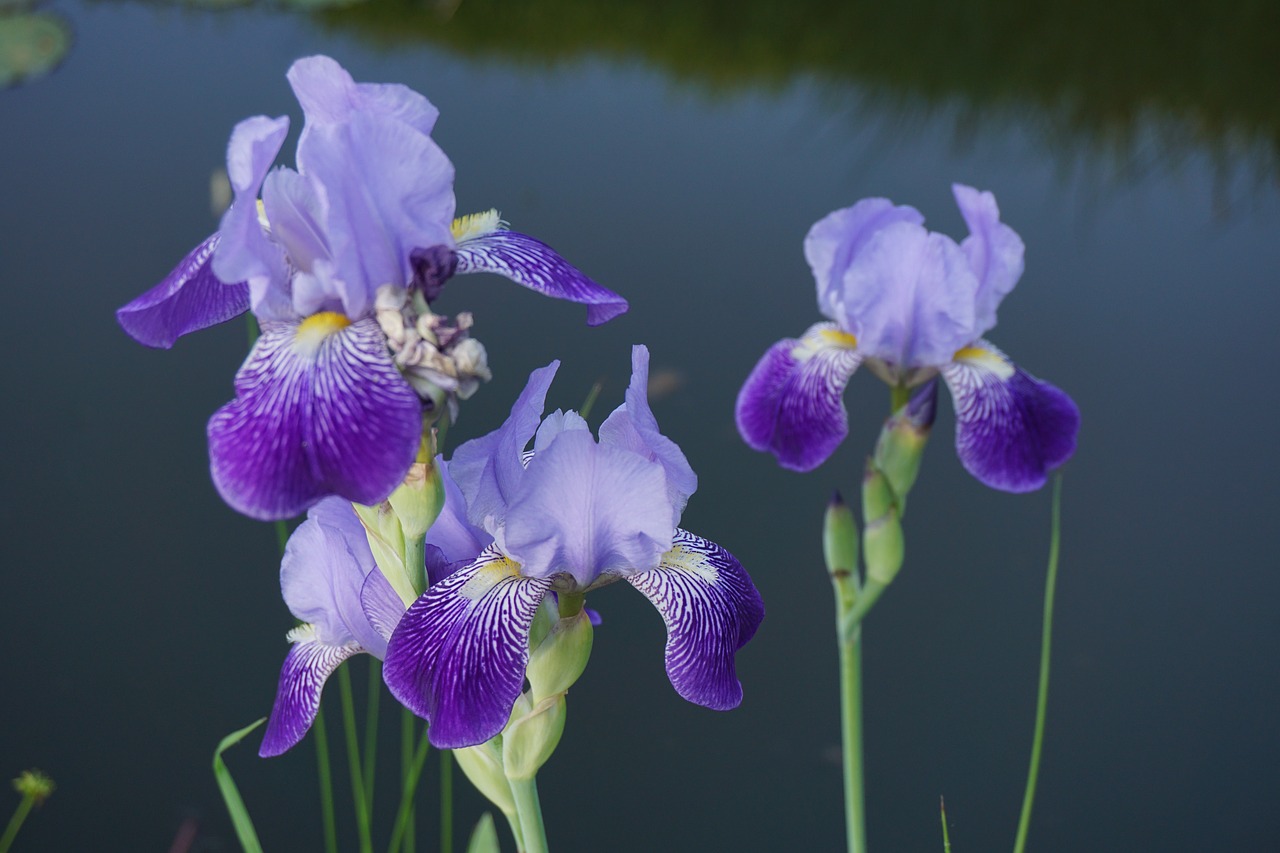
pixel 677 151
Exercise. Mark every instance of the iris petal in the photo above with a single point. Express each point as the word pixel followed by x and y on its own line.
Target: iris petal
pixel 458 656
pixel 188 299
pixel 1011 428
pixel 535 265
pixel 995 253
pixel 711 609
pixel 335 417
pixel 306 668
pixel 791 403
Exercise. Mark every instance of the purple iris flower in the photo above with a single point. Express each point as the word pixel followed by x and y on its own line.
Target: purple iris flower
pixel 331 583
pixel 332 258
pixel 911 304
pixel 574 514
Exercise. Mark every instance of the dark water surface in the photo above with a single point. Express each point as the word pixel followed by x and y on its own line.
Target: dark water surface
pixel 679 157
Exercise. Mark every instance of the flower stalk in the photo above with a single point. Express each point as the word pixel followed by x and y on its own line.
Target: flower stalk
pixel 529 810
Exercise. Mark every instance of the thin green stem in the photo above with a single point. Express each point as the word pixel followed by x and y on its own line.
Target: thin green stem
pixel 899 396
pixel 946 837
pixel 282 535
pixel 15 822
pixel 371 728
pixel 415 562
pixel 446 801
pixel 353 760
pixel 529 809
pixel 402 836
pixel 321 736
pixel 1042 694
pixel 855 808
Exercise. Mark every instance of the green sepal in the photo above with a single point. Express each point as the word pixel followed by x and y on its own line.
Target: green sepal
pixel 532 735
pixel 484 838
pixel 561 657
pixel 483 766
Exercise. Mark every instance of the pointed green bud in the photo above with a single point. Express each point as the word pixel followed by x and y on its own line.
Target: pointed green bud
pixel 483 765
pixel 901 444
pixel 877 495
pixel 418 500
pixel 559 660
pixel 532 735
pixel 839 538
pixel 882 547
pixel 484 838
pixel 386 541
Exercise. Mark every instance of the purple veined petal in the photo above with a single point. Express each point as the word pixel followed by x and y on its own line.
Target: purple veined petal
pixel 306 668
pixel 328 95
pixel 245 253
pixel 835 240
pixel 995 253
pixel 318 411
pixel 458 656
pixel 1011 428
pixel 383 609
pixel 588 510
pixel 533 264
pixel 791 405
pixel 323 572
pixel 389 191
pixel 634 427
pixel 711 609
pixel 188 299
pixel 488 469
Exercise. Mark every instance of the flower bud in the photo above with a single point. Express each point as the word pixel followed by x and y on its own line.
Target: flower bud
pixel 559 660
pixel 34 785
pixel 882 543
pixel 418 500
pixel 386 541
pixel 532 735
pixel 839 538
pixel 483 765
pixel 901 444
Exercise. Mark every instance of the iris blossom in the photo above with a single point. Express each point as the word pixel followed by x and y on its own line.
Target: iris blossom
pixel 571 516
pixel 338 260
pixel 346 604
pixel 910 304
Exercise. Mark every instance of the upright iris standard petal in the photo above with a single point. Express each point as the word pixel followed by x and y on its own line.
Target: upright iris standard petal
pixel 587 510
pixel 318 411
pixel 488 469
pixel 633 426
pixel 1011 428
pixel 329 95
pixel 188 299
pixel 535 265
pixel 711 609
pixel 306 668
pixel 995 253
pixel 458 656
pixel 791 405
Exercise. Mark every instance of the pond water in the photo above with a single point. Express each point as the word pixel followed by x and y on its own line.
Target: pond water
pixel 678 152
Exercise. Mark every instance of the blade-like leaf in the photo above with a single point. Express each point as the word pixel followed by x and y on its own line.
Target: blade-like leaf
pixel 484 838
pixel 231 795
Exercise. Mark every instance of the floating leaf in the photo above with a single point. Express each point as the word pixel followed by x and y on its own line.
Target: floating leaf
pixel 31 46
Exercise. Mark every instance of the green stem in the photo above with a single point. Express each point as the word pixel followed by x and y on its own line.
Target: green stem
pixel 15 822
pixel 855 808
pixel 899 396
pixel 353 760
pixel 529 809
pixel 326 783
pixel 371 728
pixel 402 837
pixel 946 837
pixel 446 801
pixel 415 563
pixel 1042 694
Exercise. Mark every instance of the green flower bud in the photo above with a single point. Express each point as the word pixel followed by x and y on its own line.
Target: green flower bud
pixel 483 765
pixel 34 785
pixel 901 444
pixel 418 500
pixel 877 495
pixel 839 538
pixel 882 547
pixel 532 735
pixel 386 541
pixel 560 658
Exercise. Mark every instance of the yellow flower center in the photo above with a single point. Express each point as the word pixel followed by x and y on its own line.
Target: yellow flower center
pixel 476 225
pixel 313 330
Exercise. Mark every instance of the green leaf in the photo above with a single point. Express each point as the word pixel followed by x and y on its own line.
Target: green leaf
pixel 484 838
pixel 231 795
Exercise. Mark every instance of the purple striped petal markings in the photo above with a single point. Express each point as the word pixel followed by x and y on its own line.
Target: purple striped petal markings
pixel 306 668
pixel 188 299
pixel 458 656
pixel 320 409
pixel 711 609
pixel 1011 428
pixel 791 405
pixel 485 245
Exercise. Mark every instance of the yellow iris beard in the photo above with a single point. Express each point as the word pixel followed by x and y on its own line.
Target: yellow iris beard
pixel 313 330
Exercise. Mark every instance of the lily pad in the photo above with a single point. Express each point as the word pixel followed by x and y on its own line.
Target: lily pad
pixel 31 46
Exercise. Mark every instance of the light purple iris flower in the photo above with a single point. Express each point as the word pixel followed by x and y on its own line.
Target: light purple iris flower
pixel 575 514
pixel 324 258
pixel 910 304
pixel 331 583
